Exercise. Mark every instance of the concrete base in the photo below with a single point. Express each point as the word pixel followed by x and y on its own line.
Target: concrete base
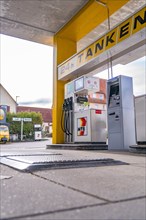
pixel 138 148
pixel 89 146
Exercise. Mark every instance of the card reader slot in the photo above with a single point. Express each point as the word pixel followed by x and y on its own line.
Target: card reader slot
pixel 112 113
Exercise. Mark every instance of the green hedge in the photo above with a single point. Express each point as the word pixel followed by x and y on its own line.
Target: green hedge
pixel 15 126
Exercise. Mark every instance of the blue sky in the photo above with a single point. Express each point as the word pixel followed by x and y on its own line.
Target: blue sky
pixel 27 72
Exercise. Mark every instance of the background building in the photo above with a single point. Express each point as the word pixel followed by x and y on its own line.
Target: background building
pixel 46 115
pixel 11 105
pixel 6 100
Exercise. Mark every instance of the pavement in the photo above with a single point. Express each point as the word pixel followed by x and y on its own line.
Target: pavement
pixel 104 192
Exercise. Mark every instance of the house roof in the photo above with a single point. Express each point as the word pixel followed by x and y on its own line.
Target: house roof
pixel 7 93
pixel 46 112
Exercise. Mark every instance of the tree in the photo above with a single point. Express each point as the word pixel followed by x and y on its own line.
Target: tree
pixel 28 127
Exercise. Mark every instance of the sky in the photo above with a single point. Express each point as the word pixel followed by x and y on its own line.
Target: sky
pixel 136 70
pixel 27 72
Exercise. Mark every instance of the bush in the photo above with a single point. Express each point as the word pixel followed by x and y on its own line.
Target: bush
pixel 28 127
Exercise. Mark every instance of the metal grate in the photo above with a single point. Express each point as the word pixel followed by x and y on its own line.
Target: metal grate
pixel 54 161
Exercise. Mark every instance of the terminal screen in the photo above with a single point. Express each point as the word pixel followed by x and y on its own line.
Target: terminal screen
pixel 114 94
pixel 114 90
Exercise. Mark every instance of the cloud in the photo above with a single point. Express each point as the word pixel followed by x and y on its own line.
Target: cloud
pixel 44 101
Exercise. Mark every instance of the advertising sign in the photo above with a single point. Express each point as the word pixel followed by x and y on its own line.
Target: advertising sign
pixel 82 126
pixel 2 115
pixel 125 30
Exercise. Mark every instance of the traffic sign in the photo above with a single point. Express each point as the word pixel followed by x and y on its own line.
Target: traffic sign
pixel 27 119
pixel 16 119
pixel 22 119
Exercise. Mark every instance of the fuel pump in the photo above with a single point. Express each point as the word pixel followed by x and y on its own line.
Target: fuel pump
pixel 79 121
pixel 89 122
pixel 37 132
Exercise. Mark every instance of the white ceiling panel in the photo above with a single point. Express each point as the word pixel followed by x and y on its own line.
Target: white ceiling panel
pixel 36 20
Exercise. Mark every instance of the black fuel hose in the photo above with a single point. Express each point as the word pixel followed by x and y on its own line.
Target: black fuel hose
pixel 64 124
pixel 67 126
pixel 62 121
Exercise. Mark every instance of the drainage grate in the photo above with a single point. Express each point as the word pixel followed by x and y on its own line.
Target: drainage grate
pixel 54 161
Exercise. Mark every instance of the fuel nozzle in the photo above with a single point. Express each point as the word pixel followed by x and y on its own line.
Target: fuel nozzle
pixel 64 106
pixel 70 103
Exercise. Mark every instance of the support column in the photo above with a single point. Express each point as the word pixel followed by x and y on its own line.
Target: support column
pixel 63 49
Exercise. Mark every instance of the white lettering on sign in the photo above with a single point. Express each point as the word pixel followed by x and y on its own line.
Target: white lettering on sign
pixel 22 119
pixel 27 119
pixel 16 119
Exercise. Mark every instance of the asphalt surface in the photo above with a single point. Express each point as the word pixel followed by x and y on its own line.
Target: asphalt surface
pixel 101 192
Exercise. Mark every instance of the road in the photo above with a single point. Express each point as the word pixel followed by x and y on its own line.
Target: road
pixel 26 145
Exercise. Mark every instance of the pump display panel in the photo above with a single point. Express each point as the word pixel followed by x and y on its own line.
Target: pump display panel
pixel 70 88
pixel 79 84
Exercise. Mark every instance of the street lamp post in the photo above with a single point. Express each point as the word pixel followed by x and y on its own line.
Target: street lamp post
pixel 17 98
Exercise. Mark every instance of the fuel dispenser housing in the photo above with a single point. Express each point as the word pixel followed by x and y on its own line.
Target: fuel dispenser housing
pixel 120 111
pixel 80 122
pixel 90 126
